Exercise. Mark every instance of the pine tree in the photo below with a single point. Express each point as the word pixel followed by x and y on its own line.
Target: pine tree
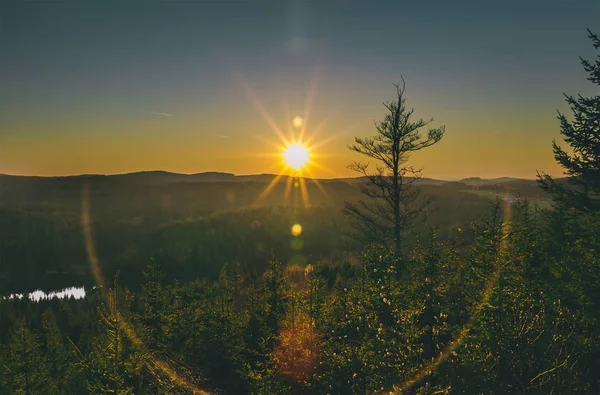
pixel 110 368
pixel 58 360
pixel 154 302
pixel 391 207
pixel 582 134
pixel 572 244
pixel 23 370
pixel 275 289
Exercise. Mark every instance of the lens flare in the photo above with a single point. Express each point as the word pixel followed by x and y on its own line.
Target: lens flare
pixel 160 368
pixel 296 156
pixel 297 230
pixel 297 121
pixel 297 153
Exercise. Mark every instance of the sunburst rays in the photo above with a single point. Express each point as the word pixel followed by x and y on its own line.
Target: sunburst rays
pixel 297 147
pixel 296 156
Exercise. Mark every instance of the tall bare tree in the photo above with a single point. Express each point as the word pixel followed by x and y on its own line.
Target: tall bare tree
pixel 391 207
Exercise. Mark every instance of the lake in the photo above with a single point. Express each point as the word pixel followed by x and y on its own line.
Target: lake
pixel 36 296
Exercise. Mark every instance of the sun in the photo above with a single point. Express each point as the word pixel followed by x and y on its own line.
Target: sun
pixel 296 156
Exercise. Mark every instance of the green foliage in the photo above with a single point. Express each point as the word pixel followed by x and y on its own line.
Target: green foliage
pixel 582 166
pixel 512 309
pixel 111 365
pixel 23 371
pixel 41 242
pixel 503 303
pixel 390 209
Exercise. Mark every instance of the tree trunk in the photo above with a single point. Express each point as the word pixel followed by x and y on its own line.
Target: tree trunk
pixel 395 182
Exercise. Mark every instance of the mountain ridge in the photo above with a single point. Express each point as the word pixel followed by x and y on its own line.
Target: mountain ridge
pixel 162 176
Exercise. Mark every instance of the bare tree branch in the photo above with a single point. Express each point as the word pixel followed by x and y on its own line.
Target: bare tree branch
pixel 389 184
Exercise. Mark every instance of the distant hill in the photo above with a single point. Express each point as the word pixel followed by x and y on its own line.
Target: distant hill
pixel 138 216
pixel 139 178
pixel 420 181
pixel 475 181
pixel 164 177
pixel 159 177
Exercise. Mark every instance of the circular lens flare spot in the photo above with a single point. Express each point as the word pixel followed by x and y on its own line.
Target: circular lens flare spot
pixel 296 156
pixel 297 244
pixel 297 121
pixel 297 230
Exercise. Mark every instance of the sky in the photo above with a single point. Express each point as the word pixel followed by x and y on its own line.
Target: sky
pixel 192 86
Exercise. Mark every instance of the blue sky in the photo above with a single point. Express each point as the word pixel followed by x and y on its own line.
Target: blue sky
pixel 110 87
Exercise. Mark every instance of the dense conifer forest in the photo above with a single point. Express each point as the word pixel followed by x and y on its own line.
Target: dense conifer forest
pixel 191 292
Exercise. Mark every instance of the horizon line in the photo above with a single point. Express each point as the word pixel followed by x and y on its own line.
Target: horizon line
pixel 448 179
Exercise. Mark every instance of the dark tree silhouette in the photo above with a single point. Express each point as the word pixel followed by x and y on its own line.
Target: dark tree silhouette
pixel 390 187
pixel 582 134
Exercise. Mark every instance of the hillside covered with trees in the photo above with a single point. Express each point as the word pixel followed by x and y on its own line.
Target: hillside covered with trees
pixel 381 285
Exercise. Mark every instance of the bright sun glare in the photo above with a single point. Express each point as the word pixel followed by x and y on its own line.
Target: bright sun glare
pixel 296 156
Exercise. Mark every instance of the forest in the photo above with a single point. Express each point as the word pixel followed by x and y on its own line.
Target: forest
pixel 386 283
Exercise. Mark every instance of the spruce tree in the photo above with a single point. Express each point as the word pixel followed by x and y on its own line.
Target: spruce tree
pixel 23 370
pixel 582 134
pixel 392 206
